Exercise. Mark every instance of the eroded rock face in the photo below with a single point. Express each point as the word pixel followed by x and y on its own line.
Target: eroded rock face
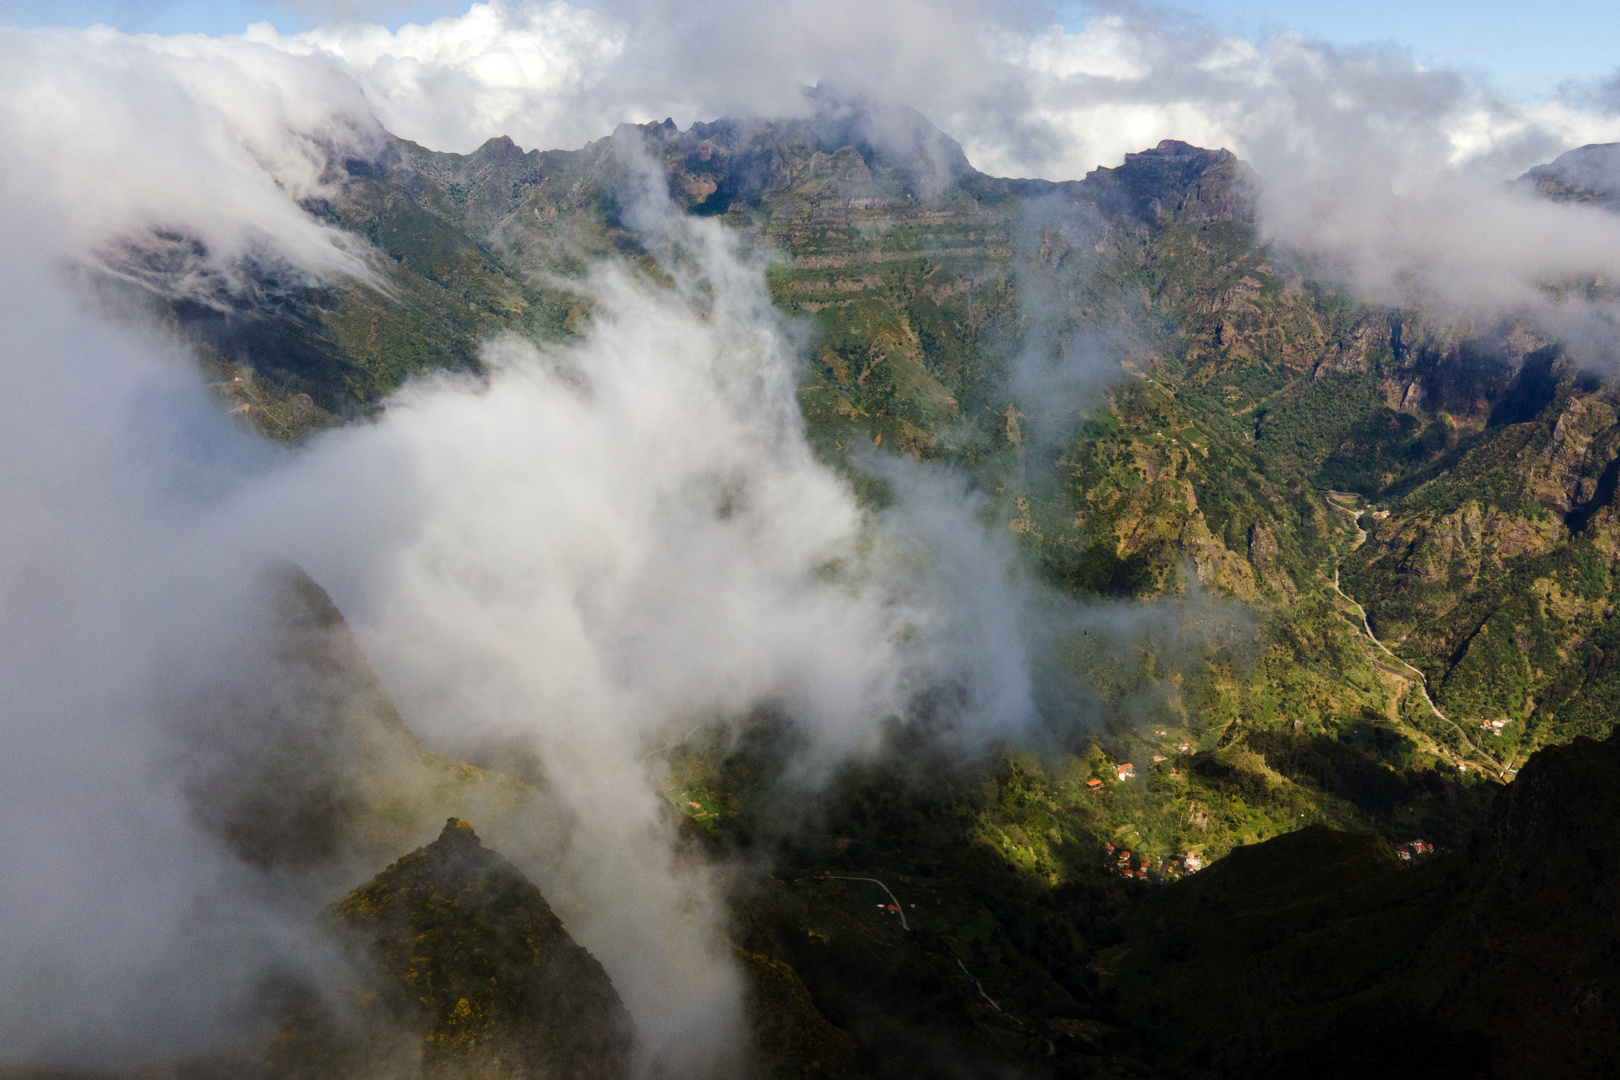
pixel 465 972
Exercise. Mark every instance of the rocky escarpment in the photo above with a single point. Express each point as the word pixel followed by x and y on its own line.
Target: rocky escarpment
pixel 1490 564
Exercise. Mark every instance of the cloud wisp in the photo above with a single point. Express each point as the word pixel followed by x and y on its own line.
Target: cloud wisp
pixel 1025 97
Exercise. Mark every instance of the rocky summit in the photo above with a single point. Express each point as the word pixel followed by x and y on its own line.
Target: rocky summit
pixel 463 971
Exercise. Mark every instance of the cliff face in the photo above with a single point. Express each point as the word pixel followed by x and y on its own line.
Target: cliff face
pixel 465 973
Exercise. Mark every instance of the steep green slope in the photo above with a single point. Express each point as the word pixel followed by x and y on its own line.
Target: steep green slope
pixel 300 763
pixel 1490 569
pixel 465 972
pixel 1151 400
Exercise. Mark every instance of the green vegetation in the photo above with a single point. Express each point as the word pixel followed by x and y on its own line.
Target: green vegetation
pixel 466 973
pixel 1150 398
pixel 1153 403
pixel 1022 946
pixel 1210 390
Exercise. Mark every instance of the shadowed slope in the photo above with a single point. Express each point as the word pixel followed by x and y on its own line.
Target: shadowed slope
pixel 1314 955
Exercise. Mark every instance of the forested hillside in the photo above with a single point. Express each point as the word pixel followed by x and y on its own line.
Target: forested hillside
pixel 1154 405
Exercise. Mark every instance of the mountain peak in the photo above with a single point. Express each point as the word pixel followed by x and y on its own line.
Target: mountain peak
pixel 1177 179
pixel 465 957
pixel 458 858
pixel 1589 173
pixel 1177 151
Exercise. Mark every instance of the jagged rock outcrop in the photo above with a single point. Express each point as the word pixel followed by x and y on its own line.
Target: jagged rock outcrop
pixel 464 972
pixel 1179 181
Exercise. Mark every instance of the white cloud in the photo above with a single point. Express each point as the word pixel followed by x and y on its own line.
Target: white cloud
pixel 589 551
pixel 1024 101
pixel 496 70
pixel 125 134
pixel 1104 49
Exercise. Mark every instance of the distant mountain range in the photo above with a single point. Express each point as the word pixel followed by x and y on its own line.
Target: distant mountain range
pixel 1154 402
pixel 951 311
pixel 1586 174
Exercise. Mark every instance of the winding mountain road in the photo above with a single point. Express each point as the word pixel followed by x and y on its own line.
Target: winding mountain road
pixel 1366 627
pixel 898 907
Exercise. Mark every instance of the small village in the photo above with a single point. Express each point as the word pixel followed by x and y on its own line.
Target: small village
pixel 1118 861
pixel 1123 863
pixel 1414 851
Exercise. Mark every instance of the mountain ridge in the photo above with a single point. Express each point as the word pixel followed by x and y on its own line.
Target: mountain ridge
pixel 925 286
pixel 1152 402
pixel 1587 174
